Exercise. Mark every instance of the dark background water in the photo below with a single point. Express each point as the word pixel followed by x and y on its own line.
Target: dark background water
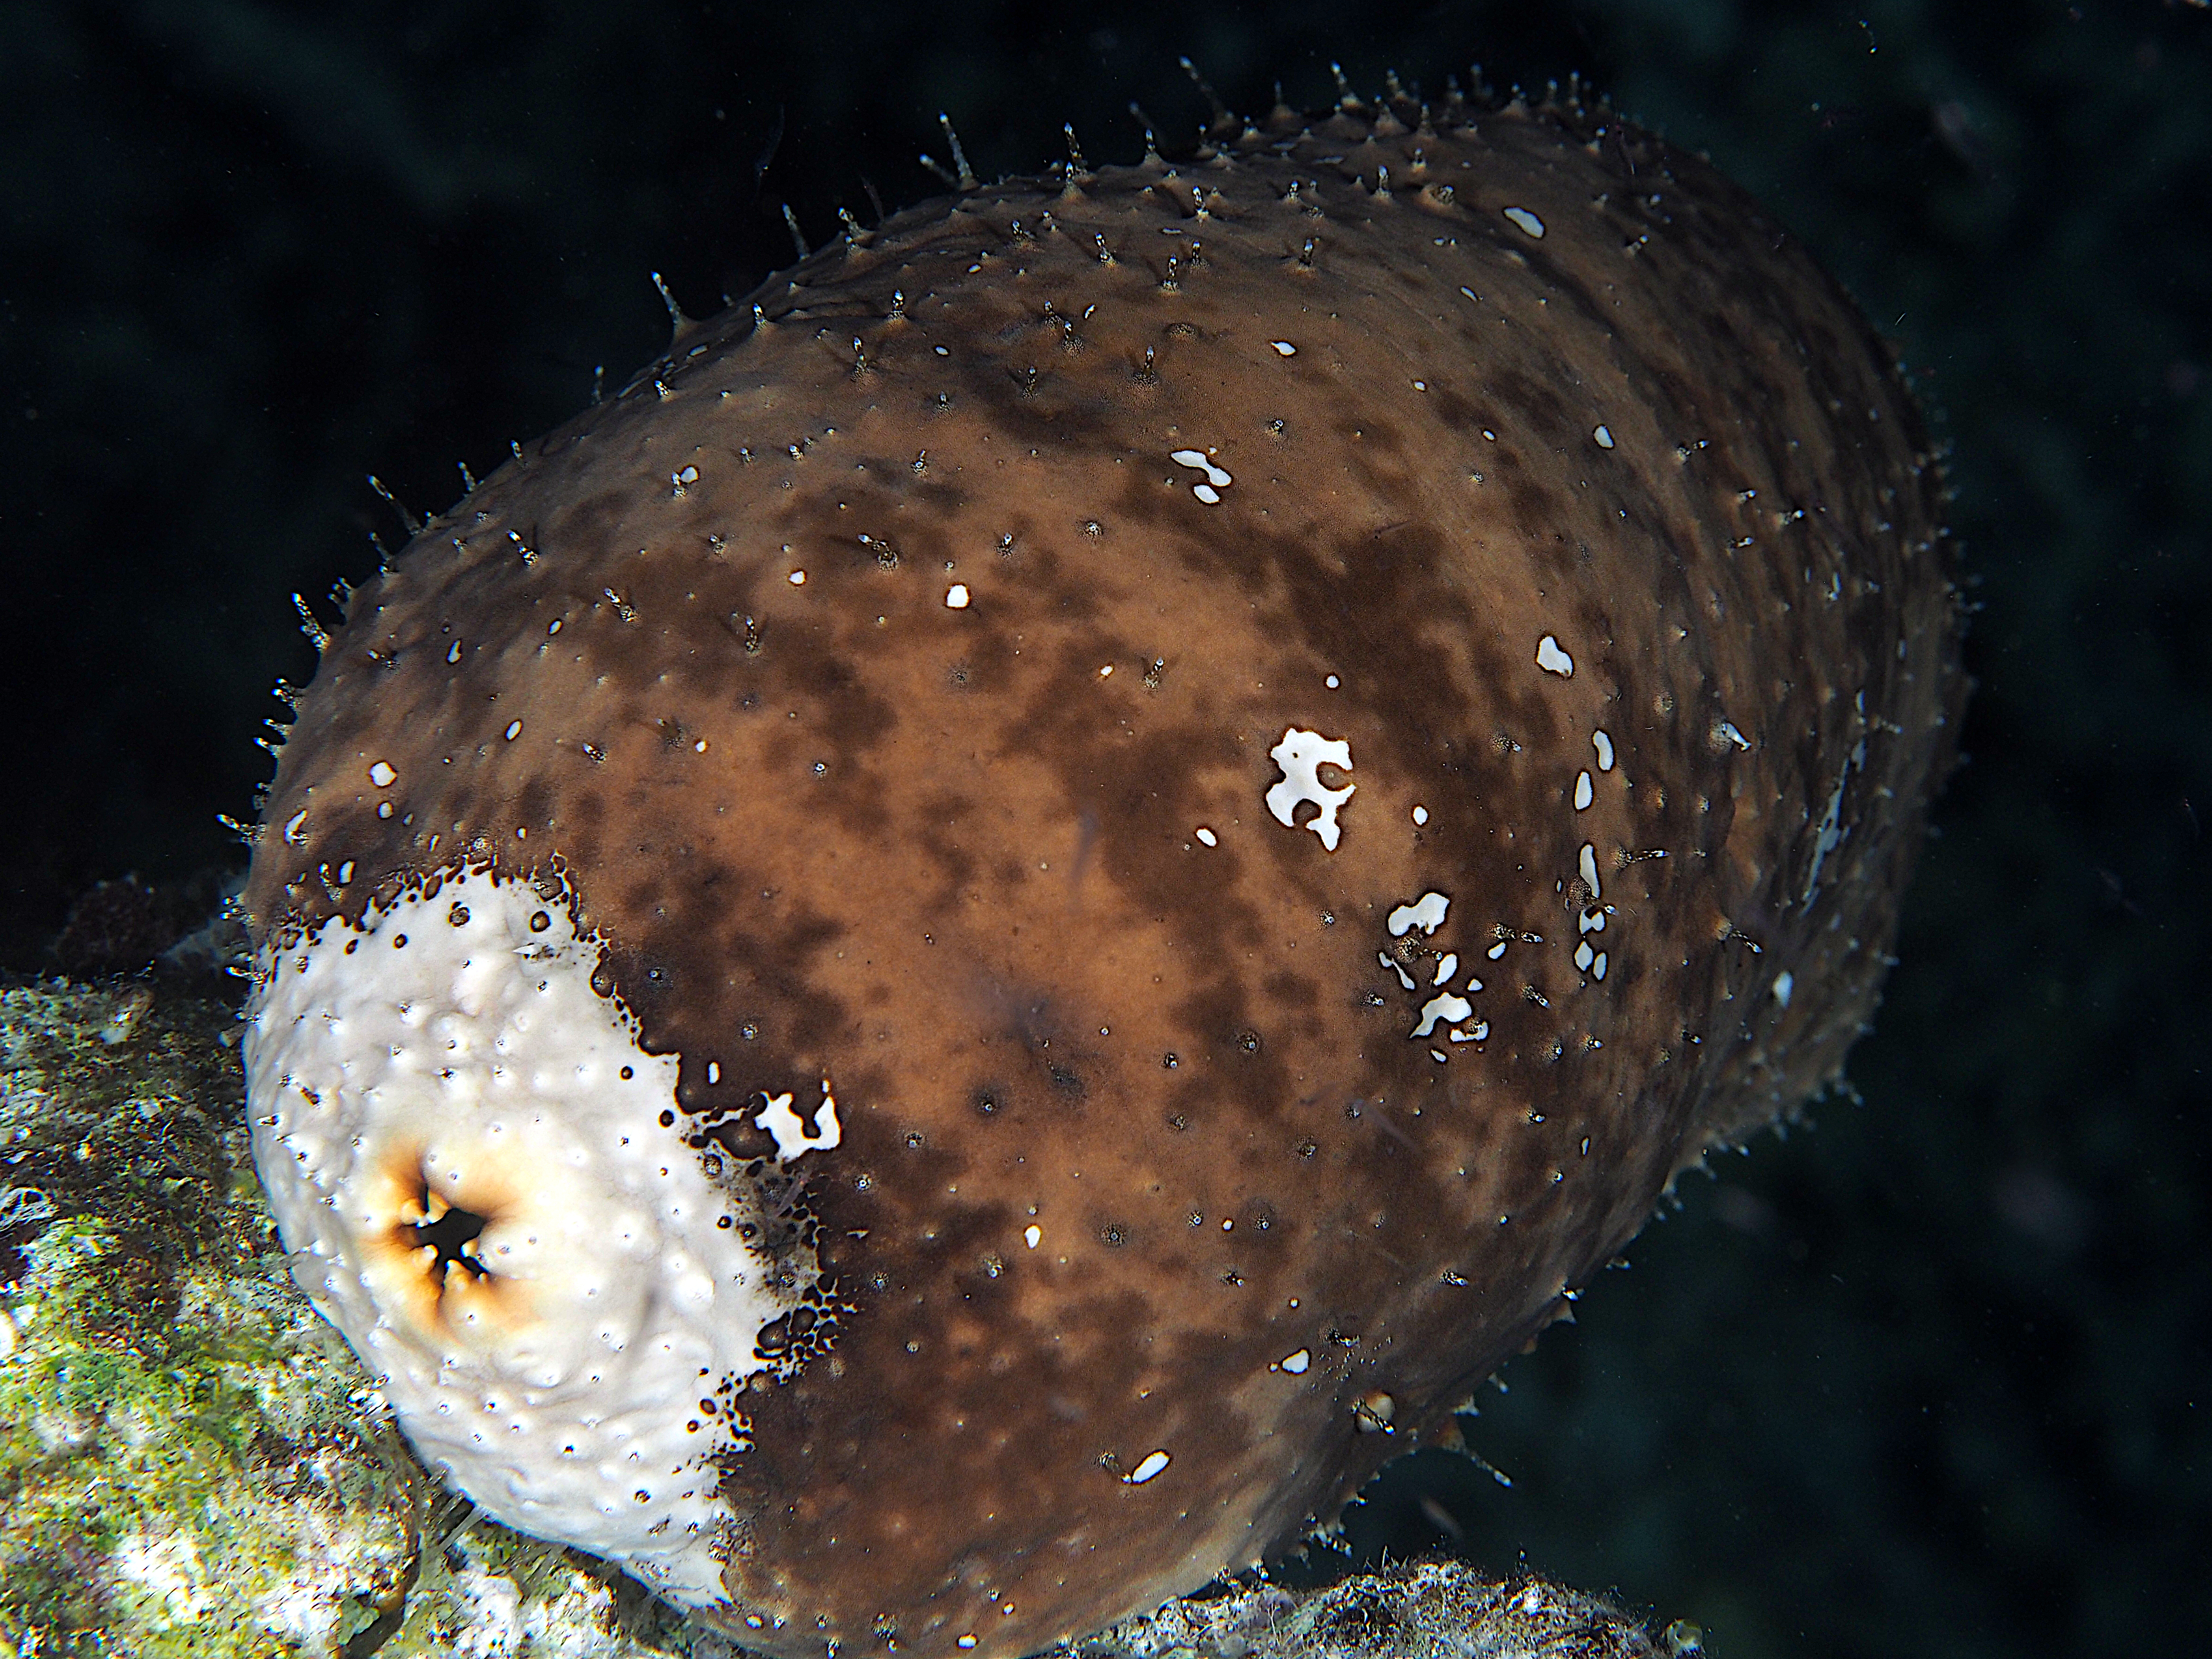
pixel 1931 1378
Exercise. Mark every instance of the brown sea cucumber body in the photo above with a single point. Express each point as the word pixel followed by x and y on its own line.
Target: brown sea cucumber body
pixel 927 684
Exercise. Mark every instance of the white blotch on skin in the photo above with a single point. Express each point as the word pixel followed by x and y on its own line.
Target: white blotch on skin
pixel 1426 912
pixel 1397 968
pixel 956 597
pixel 1153 1463
pixel 1784 983
pixel 1727 729
pixel 789 1130
pixel 1444 1006
pixel 1217 479
pixel 1301 755
pixel 1420 815
pixel 1296 1362
pixel 1332 682
pixel 1583 793
pixel 799 579
pixel 1589 866
pixel 513 730
pixel 1604 437
pixel 1032 1236
pixel 1285 347
pixel 1526 220
pixel 1603 744
pixel 1552 659
pixel 1206 835
pixel 381 774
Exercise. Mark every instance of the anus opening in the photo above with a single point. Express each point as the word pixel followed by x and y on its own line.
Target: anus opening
pixel 452 1233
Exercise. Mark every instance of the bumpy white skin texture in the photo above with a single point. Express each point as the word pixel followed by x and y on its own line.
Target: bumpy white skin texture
pixel 473 1065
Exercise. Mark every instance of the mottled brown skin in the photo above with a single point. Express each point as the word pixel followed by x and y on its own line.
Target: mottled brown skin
pixel 840 829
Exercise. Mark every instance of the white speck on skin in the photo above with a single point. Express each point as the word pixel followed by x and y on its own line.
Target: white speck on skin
pixel 381 774
pixel 1597 969
pixel 1784 983
pixel 1153 1463
pixel 1444 1006
pixel 713 1070
pixel 799 579
pixel 1585 956
pixel 1583 793
pixel 1603 744
pixel 1420 815
pixel 1285 347
pixel 1496 951
pixel 1206 835
pixel 1552 659
pixel 956 597
pixel 1107 673
pixel 1296 1363
pixel 1206 493
pixel 1032 1236
pixel 1426 912
pixel 1447 965
pixel 1589 866
pixel 1301 755
pixel 1524 220
pixel 789 1130
pixel 1332 682
pixel 513 730
pixel 291 837
pixel 1604 437
pixel 1397 968
pixel 1727 729
pixel 1591 920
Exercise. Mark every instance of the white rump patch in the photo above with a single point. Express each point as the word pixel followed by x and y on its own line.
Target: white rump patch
pixel 1301 755
pixel 470 1160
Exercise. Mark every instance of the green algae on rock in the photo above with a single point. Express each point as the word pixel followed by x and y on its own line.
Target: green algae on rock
pixel 190 1463
pixel 1107 843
